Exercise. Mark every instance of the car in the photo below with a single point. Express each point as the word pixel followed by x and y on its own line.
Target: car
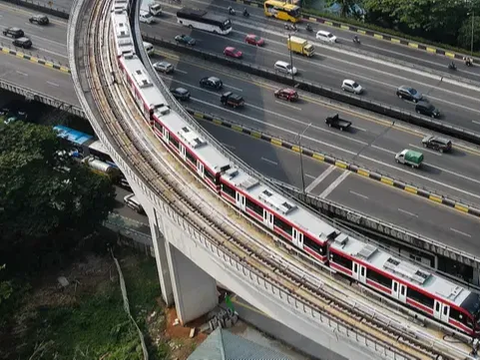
pixel 437 143
pixel 326 36
pixel 185 39
pixel 148 48
pixel 254 40
pixel 285 67
pixel 146 17
pixel 163 66
pixel 22 42
pixel 180 93
pixel 351 86
pixel 426 108
pixel 211 82
pixel 286 94
pixel 231 99
pixel 39 19
pixel 232 52
pixel 13 32
pixel 409 93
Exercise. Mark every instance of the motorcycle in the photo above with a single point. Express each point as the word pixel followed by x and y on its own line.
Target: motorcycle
pixel 231 10
pixel 356 40
pixel 309 28
pixel 290 27
pixel 452 66
pixel 246 13
pixel 468 61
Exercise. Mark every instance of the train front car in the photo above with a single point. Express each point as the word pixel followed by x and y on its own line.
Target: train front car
pixel 471 305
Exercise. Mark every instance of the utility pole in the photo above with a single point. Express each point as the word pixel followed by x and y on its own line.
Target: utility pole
pixel 300 151
pixel 291 60
pixel 473 25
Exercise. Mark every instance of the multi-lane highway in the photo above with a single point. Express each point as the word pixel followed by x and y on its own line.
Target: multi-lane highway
pixel 372 142
pixel 330 65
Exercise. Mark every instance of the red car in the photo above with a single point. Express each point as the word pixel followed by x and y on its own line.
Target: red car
pixel 286 94
pixel 254 40
pixel 232 52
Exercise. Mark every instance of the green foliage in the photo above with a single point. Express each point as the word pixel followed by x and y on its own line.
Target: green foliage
pixel 465 33
pixel 6 288
pixel 43 191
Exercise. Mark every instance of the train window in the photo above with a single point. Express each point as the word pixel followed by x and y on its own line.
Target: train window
pixel 174 141
pixel 282 225
pixel 420 298
pixel 254 207
pixel 228 190
pixel 340 260
pixel 158 126
pixel 190 157
pixel 445 310
pixel 362 271
pixel 307 241
pixel 379 278
pixel 210 176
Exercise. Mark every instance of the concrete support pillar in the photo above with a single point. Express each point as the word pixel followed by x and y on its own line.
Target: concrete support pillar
pixel 476 277
pixel 195 291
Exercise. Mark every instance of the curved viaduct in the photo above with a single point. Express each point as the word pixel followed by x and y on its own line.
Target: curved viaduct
pixel 199 240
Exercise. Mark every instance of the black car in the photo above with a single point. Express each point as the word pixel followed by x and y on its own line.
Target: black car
pixel 409 93
pixel 211 82
pixel 231 99
pixel 22 42
pixel 185 39
pixel 13 32
pixel 39 19
pixel 180 93
pixel 425 108
pixel 437 143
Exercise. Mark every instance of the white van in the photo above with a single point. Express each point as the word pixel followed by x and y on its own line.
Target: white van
pixel 148 48
pixel 146 17
pixel 326 36
pixel 285 67
pixel 132 202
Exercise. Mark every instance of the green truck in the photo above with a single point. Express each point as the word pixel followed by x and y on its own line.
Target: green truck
pixel 409 157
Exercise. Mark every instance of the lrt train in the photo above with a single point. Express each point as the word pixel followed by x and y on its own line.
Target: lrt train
pixel 406 283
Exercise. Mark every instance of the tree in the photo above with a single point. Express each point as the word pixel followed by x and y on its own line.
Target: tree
pixel 346 7
pixel 43 191
pixel 465 33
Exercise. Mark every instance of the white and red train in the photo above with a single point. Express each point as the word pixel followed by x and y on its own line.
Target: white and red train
pixel 404 282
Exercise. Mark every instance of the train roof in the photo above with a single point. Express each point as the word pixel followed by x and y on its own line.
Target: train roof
pixel 289 210
pixel 404 270
pixel 150 94
pixel 120 6
pixel 123 34
pixel 210 156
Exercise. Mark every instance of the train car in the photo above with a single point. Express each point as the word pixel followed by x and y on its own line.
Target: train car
pixel 295 224
pixel 120 6
pixel 206 161
pixel 122 33
pixel 146 94
pixel 407 283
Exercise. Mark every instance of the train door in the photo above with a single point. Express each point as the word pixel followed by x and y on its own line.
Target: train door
pixel 441 311
pixel 200 169
pixel 297 238
pixel 240 200
pixel 268 219
pixel 166 135
pixel 359 272
pixel 399 291
pixel 183 151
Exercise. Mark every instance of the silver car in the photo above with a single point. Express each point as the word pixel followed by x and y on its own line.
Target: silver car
pixel 409 93
pixel 351 86
pixel 163 66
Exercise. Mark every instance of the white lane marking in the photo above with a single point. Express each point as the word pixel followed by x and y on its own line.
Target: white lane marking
pixel 310 176
pixel 21 73
pixel 285 104
pixel 454 173
pixel 232 87
pixel 382 149
pixel 229 146
pixel 181 71
pixel 269 161
pixel 460 232
pixel 359 195
pixel 52 83
pixel 333 185
pixel 407 212
pixel 359 128
pixel 476 122
pixel 427 150
pixel 320 178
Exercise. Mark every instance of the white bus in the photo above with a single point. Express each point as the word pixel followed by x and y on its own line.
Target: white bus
pixel 202 20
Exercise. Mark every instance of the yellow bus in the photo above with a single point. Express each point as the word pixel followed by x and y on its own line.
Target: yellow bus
pixel 282 10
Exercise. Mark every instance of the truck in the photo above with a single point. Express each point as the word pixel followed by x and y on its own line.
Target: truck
pixel 336 122
pixel 155 9
pixel 409 157
pixel 300 46
pixel 231 99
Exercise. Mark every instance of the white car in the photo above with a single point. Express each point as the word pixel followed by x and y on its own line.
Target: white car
pixel 148 48
pixel 326 36
pixel 351 86
pixel 146 17
pixel 163 66
pixel 285 67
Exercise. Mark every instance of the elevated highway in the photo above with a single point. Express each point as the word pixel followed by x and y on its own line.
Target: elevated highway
pixel 214 237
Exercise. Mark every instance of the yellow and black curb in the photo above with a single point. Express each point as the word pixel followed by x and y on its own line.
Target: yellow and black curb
pixel 392 39
pixel 439 199
pixel 34 59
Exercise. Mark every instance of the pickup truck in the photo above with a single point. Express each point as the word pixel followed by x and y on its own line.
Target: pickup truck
pixel 335 121
pixel 409 157
pixel 231 99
